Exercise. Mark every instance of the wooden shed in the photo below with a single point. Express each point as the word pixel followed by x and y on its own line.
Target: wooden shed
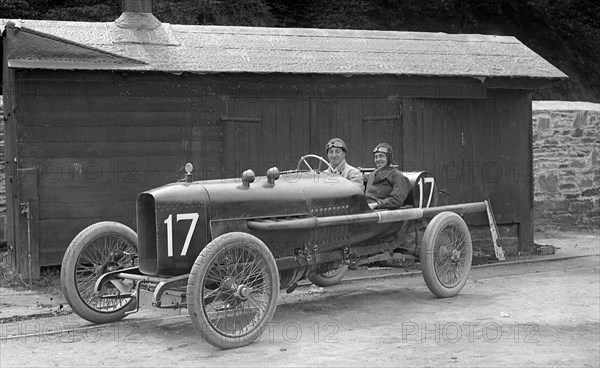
pixel 98 112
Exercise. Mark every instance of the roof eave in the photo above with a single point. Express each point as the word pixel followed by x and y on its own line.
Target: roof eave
pixel 527 83
pixel 68 65
pixel 511 82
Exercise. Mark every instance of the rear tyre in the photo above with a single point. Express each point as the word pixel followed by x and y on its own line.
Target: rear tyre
pixel 100 248
pixel 331 277
pixel 232 290
pixel 446 254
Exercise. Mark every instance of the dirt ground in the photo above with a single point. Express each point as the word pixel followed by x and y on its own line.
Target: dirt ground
pixel 525 314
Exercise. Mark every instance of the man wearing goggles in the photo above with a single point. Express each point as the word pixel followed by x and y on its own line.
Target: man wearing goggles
pixel 387 187
pixel 336 153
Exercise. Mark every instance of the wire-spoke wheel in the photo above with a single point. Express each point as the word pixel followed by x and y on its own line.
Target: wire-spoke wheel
pixel 232 290
pixel 446 254
pixel 330 277
pixel 100 248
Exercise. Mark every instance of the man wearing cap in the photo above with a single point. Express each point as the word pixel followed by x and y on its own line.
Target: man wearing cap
pixel 387 187
pixel 336 153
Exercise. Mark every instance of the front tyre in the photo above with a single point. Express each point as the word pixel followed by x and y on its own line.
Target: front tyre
pixel 100 248
pixel 446 254
pixel 232 290
pixel 331 277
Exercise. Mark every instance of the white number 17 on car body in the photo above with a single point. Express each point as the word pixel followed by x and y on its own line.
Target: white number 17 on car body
pixel 421 183
pixel 180 216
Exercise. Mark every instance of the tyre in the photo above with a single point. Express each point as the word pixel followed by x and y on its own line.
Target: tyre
pixel 330 277
pixel 446 254
pixel 100 248
pixel 232 290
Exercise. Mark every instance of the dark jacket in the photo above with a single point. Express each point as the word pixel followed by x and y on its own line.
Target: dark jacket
pixel 388 187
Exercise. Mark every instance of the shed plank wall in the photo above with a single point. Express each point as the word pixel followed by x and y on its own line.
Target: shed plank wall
pixel 98 139
pixel 477 149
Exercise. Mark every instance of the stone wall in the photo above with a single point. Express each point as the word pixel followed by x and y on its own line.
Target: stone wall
pixel 566 165
pixel 2 178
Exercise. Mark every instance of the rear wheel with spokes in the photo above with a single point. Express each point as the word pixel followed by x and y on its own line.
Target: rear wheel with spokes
pixel 100 248
pixel 331 277
pixel 446 254
pixel 232 290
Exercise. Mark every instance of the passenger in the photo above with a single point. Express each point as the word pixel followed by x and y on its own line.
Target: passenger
pixel 336 153
pixel 387 187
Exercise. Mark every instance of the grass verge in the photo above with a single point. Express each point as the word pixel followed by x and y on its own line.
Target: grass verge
pixel 49 279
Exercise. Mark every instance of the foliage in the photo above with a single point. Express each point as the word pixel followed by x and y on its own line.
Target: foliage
pixel 216 12
pixel 93 12
pixel 569 37
pixel 49 279
pixel 24 9
pixel 222 12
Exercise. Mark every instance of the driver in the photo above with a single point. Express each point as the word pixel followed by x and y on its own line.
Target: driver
pixel 336 153
pixel 387 187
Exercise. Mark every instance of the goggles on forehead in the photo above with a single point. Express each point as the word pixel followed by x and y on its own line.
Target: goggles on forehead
pixel 381 149
pixel 334 145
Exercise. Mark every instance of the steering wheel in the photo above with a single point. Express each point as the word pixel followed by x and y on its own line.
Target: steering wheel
pixel 319 158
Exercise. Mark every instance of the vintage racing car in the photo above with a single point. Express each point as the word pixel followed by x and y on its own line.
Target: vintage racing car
pixel 225 248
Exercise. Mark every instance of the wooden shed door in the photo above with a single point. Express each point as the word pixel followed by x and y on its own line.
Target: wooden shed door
pixel 377 129
pixel 242 146
pixel 439 138
pixel 26 222
pixel 361 123
pixel 262 133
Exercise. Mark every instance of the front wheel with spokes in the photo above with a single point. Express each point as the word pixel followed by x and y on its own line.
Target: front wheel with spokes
pixel 100 248
pixel 446 254
pixel 232 290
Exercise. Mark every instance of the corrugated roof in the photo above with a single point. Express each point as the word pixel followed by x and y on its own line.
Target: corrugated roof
pixel 221 49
